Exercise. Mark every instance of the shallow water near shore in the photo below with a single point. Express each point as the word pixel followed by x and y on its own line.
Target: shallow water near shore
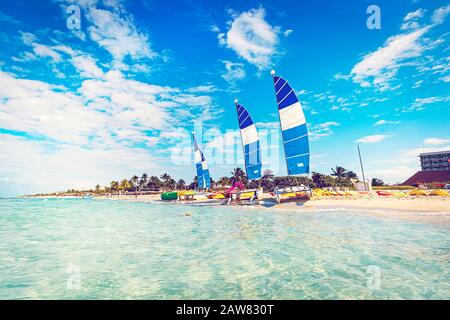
pixel 97 249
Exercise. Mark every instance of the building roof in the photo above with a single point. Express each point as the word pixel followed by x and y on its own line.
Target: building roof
pixel 428 177
pixel 432 153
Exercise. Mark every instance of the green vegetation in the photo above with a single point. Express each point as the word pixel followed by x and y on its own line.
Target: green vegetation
pixel 377 182
pixel 339 177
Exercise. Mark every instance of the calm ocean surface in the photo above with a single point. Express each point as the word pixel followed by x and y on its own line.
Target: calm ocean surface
pixel 99 249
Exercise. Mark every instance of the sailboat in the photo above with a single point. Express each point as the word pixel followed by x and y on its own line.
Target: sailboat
pixel 203 178
pixel 252 158
pixel 250 143
pixel 252 152
pixel 295 137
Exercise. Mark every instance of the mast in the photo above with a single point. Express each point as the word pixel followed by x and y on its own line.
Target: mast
pixel 236 102
pixel 362 168
pixel 279 120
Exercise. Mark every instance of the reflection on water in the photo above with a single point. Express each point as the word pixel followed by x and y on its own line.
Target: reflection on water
pixel 92 249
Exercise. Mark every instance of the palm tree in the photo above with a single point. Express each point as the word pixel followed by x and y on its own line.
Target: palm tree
pixel 114 186
pixel 181 184
pixel 194 183
pixel 339 173
pixel 172 184
pixel 224 181
pixel 143 181
pixel 125 185
pixel 154 182
pixel 98 189
pixel 322 180
pixel 350 175
pixel 135 182
pixel 166 180
pixel 377 182
pixel 238 175
pixel 267 180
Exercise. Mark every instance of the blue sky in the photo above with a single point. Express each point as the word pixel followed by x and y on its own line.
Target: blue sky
pixel 120 95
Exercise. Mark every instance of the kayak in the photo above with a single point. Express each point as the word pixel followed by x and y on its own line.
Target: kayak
pixel 439 192
pixel 417 192
pixel 384 193
pixel 169 195
pixel 186 193
pixel 216 195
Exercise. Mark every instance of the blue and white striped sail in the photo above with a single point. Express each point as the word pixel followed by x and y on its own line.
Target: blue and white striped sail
pixel 250 143
pixel 203 179
pixel 293 127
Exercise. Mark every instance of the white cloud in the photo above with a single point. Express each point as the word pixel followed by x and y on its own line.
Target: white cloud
pixel 206 88
pixel 340 76
pixel 113 108
pixel 288 32
pixel 415 152
pixel 40 50
pixel 33 168
pixel 83 63
pixel 436 141
pixel 373 138
pixel 105 123
pixel 396 174
pixel 252 38
pixel 233 71
pixel 383 122
pixel 118 34
pixel 6 18
pixel 411 20
pixel 419 103
pixel 440 14
pixel 415 15
pixel 322 129
pixel 114 30
pixel 446 78
pixel 379 67
pixel 87 67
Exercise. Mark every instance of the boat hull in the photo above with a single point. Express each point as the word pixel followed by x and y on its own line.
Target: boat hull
pixel 170 195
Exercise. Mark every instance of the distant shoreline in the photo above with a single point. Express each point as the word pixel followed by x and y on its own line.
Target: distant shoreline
pixel 422 205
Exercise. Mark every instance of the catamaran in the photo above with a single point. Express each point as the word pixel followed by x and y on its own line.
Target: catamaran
pixel 203 177
pixel 252 152
pixel 252 158
pixel 295 137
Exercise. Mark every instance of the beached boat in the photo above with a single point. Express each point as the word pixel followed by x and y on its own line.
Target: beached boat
pixel 203 178
pixel 295 137
pixel 252 156
pixel 384 193
pixel 169 195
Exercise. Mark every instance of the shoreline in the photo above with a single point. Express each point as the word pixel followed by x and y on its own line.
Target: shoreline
pixel 416 205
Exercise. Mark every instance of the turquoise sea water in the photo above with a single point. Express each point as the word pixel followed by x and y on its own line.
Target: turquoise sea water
pixel 100 249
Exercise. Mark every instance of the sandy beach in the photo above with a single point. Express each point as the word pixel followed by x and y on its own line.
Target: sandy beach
pixel 422 205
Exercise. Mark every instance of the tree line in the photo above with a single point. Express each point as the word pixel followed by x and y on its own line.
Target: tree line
pixel 338 177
